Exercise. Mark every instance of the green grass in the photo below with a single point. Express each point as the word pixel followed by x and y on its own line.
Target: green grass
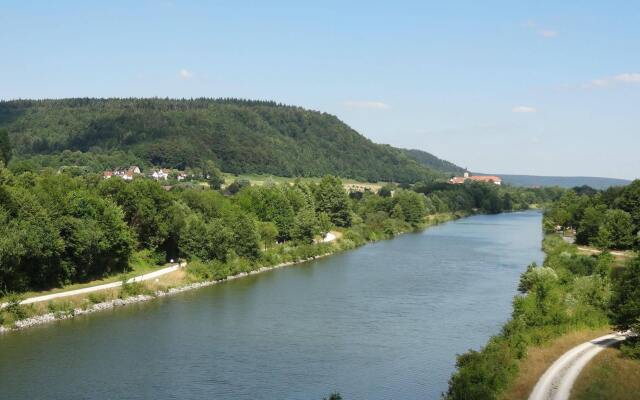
pixel 608 376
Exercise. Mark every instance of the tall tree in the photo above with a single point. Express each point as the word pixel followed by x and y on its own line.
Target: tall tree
pixel 5 146
pixel 625 304
pixel 616 230
pixel 212 174
pixel 332 199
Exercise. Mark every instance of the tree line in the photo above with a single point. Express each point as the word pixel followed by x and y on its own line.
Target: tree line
pixel 58 228
pixel 608 219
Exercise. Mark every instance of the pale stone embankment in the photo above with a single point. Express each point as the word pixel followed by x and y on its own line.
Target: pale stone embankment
pixel 111 304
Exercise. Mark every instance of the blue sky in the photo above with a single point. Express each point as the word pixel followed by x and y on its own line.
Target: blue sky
pixel 539 87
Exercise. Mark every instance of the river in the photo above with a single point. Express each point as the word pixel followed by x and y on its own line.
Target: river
pixel 384 321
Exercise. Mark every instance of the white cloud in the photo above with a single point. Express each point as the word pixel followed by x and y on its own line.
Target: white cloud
pixel 620 79
pixel 548 33
pixel 186 74
pixel 628 78
pixel 368 105
pixel 523 109
pixel 540 30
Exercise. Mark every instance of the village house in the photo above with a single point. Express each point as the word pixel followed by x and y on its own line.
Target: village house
pixel 160 174
pixel 456 180
pixel 126 174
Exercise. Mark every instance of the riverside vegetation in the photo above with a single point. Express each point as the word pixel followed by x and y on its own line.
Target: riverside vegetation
pixel 59 229
pixel 569 292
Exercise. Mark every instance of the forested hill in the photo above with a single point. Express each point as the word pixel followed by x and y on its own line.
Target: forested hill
pixel 433 162
pixel 240 136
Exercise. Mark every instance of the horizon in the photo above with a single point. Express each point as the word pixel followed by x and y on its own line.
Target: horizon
pixel 540 89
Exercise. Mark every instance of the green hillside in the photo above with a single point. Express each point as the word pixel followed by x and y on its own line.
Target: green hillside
pixel 433 162
pixel 240 136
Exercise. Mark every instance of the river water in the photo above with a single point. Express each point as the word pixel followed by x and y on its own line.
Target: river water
pixel 384 321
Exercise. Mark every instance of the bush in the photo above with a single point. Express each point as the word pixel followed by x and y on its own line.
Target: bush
pixel 61 308
pixel 207 271
pixel 14 308
pixel 129 289
pixel 97 297
pixel 631 348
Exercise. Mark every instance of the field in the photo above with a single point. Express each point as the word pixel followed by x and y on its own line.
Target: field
pixel 255 179
pixel 608 376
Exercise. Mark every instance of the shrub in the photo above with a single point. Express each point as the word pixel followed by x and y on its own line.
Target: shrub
pixel 60 308
pixel 97 297
pixel 14 308
pixel 129 289
pixel 631 348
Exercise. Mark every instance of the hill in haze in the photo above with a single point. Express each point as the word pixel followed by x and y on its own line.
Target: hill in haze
pixel 562 181
pixel 240 136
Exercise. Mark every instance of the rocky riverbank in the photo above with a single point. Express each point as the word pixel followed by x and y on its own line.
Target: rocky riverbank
pixel 111 304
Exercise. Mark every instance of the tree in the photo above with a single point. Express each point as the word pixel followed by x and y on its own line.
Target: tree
pixel 236 186
pixel 332 199
pixel 268 233
pixel 385 191
pixel 625 303
pixel 244 238
pixel 304 226
pixel 616 231
pixel 412 206
pixel 206 241
pixel 268 203
pixel 590 224
pixel 629 201
pixel 212 175
pixel 5 147
pixel 324 223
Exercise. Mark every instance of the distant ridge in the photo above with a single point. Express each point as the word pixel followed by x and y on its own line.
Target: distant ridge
pixel 562 181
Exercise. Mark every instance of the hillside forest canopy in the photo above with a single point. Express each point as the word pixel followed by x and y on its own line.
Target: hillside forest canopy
pixel 239 136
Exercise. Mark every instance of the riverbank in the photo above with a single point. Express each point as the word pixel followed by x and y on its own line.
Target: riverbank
pixel 567 295
pixel 133 292
pixel 119 302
